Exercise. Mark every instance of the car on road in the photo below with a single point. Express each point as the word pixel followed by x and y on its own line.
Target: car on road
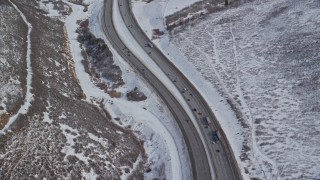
pixel 149 44
pixel 214 137
pixel 184 90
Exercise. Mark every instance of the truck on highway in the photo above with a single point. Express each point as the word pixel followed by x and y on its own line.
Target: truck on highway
pixel 206 121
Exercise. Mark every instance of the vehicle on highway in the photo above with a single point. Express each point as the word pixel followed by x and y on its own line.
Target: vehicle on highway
pixel 199 150
pixel 184 90
pixel 206 121
pixel 149 44
pixel 214 137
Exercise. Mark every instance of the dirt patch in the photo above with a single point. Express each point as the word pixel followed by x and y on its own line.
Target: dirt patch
pixel 156 34
pixel 114 94
pixel 4 119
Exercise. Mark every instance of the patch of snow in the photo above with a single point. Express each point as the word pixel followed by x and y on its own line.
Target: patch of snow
pixel 89 175
pixel 102 141
pixel 49 8
pixel 119 132
pixel 46 117
pixel 68 149
pixel 65 94
pixel 173 6
pixel 62 116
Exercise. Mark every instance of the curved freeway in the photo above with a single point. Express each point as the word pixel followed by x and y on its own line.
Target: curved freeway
pixel 200 154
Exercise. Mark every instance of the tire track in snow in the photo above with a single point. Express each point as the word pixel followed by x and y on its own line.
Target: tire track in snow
pixel 28 96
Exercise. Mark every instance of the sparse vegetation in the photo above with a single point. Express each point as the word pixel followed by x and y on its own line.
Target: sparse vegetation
pixel 61 136
pixel 13 33
pixel 100 59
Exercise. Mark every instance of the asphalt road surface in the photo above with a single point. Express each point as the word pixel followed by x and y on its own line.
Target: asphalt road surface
pixel 218 153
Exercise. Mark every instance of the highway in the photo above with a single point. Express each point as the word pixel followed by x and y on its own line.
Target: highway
pixel 219 154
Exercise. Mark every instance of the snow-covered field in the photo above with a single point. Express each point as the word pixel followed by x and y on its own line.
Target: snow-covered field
pixel 263 59
pixel 172 6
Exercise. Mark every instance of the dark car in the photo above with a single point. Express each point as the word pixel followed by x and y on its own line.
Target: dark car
pixel 215 137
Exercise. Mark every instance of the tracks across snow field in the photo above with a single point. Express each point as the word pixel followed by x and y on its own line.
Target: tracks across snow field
pixel 28 95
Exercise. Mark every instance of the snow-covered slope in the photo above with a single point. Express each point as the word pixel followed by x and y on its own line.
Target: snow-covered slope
pixel 13 38
pixel 28 95
pixel 265 56
pixel 263 59
pixel 172 6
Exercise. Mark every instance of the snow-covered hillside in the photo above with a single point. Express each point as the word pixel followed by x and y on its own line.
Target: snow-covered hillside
pixel 264 56
pixel 12 62
pixel 263 59
pixel 173 6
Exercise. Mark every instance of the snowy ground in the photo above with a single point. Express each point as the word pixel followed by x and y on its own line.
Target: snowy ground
pixel 262 57
pixel 172 6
